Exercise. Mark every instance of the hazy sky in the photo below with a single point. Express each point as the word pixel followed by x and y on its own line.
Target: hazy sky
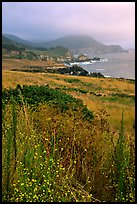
pixel 107 22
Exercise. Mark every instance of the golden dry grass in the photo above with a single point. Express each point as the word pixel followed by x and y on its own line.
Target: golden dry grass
pixel 11 79
pixel 98 85
pixel 50 122
pixel 9 64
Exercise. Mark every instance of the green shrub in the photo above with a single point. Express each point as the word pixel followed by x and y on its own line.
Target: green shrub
pixel 73 80
pixel 33 95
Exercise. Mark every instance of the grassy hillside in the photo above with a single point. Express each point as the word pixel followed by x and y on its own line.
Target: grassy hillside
pixel 111 94
pixel 67 138
pixel 25 64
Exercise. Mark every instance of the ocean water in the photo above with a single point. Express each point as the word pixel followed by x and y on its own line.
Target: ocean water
pixel 119 65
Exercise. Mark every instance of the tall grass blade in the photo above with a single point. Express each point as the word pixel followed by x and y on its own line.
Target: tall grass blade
pixel 8 145
pixel 14 127
pixel 121 159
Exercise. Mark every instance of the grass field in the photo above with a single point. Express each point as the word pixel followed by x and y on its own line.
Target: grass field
pixel 96 93
pixel 67 138
pixel 9 64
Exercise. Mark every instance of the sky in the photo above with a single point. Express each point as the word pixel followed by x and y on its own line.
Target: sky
pixel 107 22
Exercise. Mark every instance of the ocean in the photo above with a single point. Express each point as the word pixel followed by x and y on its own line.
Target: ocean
pixel 119 65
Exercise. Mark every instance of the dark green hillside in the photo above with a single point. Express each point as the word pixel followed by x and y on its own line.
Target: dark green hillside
pixel 81 44
pixel 31 52
pixel 71 42
pixel 6 41
pixel 75 43
pixel 58 51
pixel 10 45
pixel 16 39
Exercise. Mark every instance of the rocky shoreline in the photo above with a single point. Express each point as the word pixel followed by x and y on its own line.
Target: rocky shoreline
pixel 78 71
pixel 73 70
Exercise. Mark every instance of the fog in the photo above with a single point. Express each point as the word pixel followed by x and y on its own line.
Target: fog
pixel 107 22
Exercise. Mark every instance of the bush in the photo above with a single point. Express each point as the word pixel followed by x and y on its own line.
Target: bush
pixel 33 95
pixel 72 80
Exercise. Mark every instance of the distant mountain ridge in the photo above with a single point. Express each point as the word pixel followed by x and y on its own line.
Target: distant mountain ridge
pixel 18 40
pixel 6 41
pixel 81 44
pixel 71 42
pixel 11 45
pixel 77 44
pixel 16 44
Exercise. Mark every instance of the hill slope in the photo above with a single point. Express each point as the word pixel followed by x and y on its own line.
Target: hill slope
pixel 10 45
pixel 16 39
pixel 81 44
pixel 77 44
pixel 6 41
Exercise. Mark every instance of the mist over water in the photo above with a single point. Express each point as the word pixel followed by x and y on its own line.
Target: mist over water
pixel 119 65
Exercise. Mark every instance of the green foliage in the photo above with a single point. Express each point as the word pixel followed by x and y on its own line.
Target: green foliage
pixel 73 80
pixel 8 163
pixel 13 47
pixel 39 166
pixel 82 91
pixel 10 45
pixel 75 89
pixel 14 128
pixel 34 95
pixel 63 153
pixel 121 159
pixel 123 96
pixel 117 97
pixel 111 99
pixel 57 51
pixel 87 114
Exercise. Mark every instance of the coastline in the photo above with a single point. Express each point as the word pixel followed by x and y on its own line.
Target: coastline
pixel 119 65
